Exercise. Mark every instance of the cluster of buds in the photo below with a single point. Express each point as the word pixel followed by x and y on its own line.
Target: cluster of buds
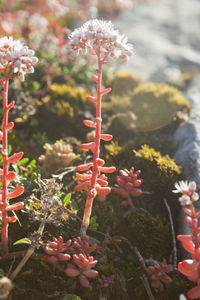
pixel 82 267
pixel 157 273
pixel 128 185
pixel 190 267
pixel 15 54
pixel 55 250
pixel 96 34
pixel 106 281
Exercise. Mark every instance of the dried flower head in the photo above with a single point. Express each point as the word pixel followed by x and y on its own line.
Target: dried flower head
pixel 100 37
pixel 187 189
pixel 47 207
pixel 15 54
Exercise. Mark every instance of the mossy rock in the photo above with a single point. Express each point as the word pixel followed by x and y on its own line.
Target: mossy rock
pixel 157 105
pixel 124 83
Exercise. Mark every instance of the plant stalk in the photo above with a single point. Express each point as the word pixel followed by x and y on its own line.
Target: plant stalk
pixel 98 120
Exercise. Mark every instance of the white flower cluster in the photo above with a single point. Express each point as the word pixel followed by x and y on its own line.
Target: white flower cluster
pixel 187 189
pixel 100 37
pixel 15 54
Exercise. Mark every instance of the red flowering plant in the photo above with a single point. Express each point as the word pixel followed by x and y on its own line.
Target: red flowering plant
pixel 17 58
pixel 128 186
pixel 190 267
pixel 106 44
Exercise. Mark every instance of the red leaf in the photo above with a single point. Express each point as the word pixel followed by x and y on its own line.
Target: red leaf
pixel 88 146
pixel 84 167
pixel 107 169
pixel 15 157
pixel 102 191
pixel 136 192
pixel 10 126
pixel 82 186
pixel 83 176
pixel 19 191
pixel 15 206
pixel 92 99
pixel 1 135
pixel 94 77
pixel 1 172
pixel 89 123
pixel 10 105
pixel 11 176
pixel 100 162
pixel 12 219
pixel 106 91
pixel 106 137
pixel 194 293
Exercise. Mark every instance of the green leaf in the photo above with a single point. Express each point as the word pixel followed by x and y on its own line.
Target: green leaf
pixel 71 297
pixel 93 223
pixel 74 206
pixel 1 272
pixel 33 163
pixel 22 241
pixel 67 199
pixel 23 161
pixel 36 85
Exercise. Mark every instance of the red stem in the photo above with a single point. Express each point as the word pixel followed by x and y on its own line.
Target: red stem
pixel 194 228
pixel 4 152
pixel 91 196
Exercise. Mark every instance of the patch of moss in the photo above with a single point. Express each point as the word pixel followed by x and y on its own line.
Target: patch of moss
pixel 66 107
pixel 156 105
pixel 165 164
pixel 124 83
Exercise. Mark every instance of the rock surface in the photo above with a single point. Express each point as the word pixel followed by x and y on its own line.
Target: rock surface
pixel 165 35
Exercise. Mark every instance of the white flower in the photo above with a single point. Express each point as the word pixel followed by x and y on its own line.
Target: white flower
pixel 101 38
pixel 195 197
pixel 15 54
pixel 181 187
pixel 187 189
pixel 184 200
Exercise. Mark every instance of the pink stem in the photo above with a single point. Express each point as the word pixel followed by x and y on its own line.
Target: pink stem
pixel 4 152
pixel 91 195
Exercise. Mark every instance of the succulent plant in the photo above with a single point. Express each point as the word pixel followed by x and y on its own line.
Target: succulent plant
pixel 58 155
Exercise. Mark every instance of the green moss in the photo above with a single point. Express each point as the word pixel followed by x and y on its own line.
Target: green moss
pixel 165 164
pixel 66 107
pixel 156 105
pixel 150 234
